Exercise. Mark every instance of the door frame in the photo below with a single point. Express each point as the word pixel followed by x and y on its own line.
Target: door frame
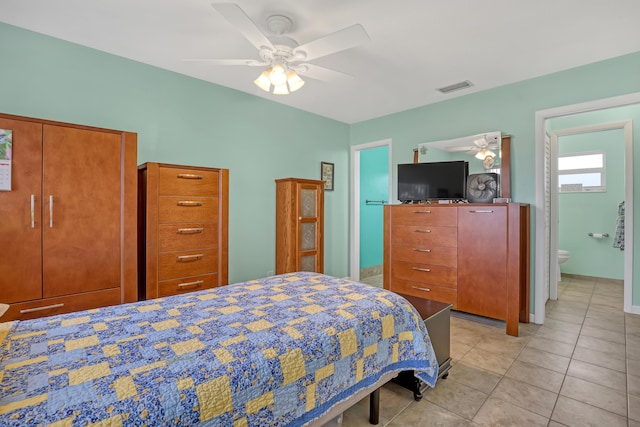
pixel 354 257
pixel 542 202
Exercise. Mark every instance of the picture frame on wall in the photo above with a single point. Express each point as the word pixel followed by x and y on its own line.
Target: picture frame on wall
pixel 326 174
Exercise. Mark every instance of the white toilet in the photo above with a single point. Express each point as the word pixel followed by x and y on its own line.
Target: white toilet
pixel 563 256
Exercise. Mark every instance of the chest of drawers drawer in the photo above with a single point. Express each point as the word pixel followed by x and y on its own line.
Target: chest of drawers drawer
pixel 189 182
pixel 424 215
pixel 186 284
pixel 444 256
pixel 187 209
pixel 424 235
pixel 424 273
pixel 422 290
pixel 176 237
pixel 186 263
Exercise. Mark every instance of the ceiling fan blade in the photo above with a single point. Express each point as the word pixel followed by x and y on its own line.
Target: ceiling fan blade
pixel 459 148
pixel 249 62
pixel 340 40
pixel 321 73
pixel 236 16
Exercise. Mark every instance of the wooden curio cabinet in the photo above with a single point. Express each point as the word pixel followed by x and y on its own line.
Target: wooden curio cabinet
pixel 299 225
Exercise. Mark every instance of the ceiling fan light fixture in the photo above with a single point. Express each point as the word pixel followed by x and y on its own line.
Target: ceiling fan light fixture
pixel 294 81
pixel 482 154
pixel 263 81
pixel 280 89
pixel 278 75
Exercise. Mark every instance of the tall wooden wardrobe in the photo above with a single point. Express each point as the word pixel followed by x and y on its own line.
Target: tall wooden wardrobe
pixel 183 228
pixel 68 225
pixel 299 225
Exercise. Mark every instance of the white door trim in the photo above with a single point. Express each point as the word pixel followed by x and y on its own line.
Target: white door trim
pixel 354 258
pixel 542 233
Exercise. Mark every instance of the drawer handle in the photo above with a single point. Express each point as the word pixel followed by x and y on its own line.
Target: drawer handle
pixel 189 203
pixel 422 231
pixel 482 211
pixel 427 270
pixel 186 284
pixel 421 289
pixel 187 258
pixel 422 250
pixel 189 176
pixel 425 212
pixel 194 230
pixel 46 307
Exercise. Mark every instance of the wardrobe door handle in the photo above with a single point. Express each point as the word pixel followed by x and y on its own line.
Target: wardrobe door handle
pixel 189 203
pixel 422 250
pixel 426 270
pixel 50 211
pixel 189 176
pixel 33 211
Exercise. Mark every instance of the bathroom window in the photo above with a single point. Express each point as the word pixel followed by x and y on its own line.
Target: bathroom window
pixel 582 172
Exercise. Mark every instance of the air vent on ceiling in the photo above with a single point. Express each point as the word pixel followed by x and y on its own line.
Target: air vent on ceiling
pixel 456 86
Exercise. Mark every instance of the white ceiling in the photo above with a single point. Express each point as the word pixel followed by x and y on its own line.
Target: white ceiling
pixel 415 47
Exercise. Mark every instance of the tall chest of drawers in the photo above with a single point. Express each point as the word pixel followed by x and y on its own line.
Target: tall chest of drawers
pixel 183 229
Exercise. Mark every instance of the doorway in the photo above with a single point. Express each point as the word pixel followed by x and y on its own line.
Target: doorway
pixel 378 152
pixel 544 239
pixel 584 212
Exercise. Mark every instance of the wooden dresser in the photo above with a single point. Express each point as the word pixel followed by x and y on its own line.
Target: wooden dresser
pixel 68 225
pixel 183 229
pixel 299 225
pixel 474 256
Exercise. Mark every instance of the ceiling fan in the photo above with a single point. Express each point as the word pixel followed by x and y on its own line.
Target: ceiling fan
pixel 481 145
pixel 282 56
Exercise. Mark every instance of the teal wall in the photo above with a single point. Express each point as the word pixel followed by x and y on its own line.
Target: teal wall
pixel 597 212
pixel 374 185
pixel 510 109
pixel 188 121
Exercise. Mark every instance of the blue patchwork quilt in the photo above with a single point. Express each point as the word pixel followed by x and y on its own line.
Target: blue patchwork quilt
pixel 279 351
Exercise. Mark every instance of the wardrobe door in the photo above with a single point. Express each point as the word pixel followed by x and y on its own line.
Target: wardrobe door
pixel 20 217
pixel 310 244
pixel 82 210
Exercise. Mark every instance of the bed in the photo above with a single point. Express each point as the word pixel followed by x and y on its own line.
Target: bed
pixel 288 350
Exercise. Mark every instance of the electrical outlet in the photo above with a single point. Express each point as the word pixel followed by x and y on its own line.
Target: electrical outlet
pixel 270 273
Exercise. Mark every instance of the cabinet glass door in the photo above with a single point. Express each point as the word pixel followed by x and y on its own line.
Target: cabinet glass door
pixel 309 230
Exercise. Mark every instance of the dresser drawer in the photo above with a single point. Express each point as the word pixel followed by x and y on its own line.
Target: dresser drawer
pixel 187 182
pixel 444 256
pixel 187 284
pixel 421 290
pixel 187 263
pixel 187 209
pixel 424 215
pixel 424 235
pixel 64 304
pixel 424 273
pixel 177 237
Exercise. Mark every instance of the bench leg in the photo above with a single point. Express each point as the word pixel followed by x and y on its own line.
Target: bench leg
pixel 374 407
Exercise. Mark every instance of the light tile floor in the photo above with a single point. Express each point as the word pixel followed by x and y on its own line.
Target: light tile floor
pixel 581 368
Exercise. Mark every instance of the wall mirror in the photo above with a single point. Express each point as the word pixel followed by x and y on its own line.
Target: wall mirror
pixel 485 152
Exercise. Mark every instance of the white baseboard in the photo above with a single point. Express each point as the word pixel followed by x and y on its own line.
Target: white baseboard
pixel 635 309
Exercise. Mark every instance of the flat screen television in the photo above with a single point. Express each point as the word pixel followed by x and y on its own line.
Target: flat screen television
pixel 431 181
